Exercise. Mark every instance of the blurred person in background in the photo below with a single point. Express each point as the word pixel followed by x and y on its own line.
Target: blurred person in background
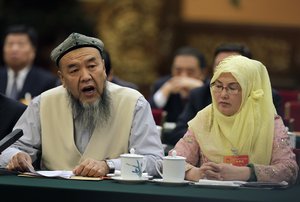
pixel 20 79
pixel 170 93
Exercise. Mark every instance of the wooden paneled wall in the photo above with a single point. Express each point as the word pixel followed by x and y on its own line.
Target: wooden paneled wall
pixel 142 35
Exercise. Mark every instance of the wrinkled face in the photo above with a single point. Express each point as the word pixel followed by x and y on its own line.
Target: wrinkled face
pixel 227 94
pixel 82 72
pixel 186 66
pixel 18 51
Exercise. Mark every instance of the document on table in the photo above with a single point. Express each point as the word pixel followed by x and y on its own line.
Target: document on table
pixel 66 174
pixel 218 183
pixel 236 184
pixel 45 173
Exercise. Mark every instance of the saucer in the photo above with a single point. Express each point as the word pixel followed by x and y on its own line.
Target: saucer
pixel 118 174
pixel 162 182
pixel 129 181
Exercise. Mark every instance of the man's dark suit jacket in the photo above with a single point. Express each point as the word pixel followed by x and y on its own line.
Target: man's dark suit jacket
pixel 124 83
pixel 36 82
pixel 10 111
pixel 199 99
pixel 174 105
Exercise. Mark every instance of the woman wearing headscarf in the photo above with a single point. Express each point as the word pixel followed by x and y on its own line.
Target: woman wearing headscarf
pixel 239 136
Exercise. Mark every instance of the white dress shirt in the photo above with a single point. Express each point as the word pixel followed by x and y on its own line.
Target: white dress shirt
pixel 20 79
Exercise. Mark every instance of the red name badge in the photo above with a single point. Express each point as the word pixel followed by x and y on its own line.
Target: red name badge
pixel 237 160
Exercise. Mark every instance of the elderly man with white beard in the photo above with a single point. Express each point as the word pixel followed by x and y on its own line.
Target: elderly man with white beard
pixel 88 122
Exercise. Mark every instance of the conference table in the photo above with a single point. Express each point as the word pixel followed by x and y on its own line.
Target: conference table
pixel 17 188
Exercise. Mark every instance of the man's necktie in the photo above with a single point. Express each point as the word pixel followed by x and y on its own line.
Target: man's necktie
pixel 14 89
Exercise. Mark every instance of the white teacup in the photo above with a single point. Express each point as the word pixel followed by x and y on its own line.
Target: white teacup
pixel 173 168
pixel 132 166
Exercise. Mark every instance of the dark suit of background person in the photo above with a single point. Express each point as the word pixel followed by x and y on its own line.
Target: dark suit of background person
pixel 19 51
pixel 10 111
pixel 201 97
pixel 184 68
pixel 110 74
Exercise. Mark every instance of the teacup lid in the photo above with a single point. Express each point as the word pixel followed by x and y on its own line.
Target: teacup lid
pixel 132 154
pixel 174 156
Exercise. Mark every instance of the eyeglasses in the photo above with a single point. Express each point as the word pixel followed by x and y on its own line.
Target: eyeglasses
pixel 232 88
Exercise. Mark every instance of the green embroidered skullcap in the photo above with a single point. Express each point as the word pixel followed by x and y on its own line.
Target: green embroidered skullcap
pixel 74 41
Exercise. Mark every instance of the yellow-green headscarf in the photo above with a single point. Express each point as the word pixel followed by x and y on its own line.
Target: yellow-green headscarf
pixel 251 129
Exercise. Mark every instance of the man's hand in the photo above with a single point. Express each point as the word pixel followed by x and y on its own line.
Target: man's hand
pixel 91 168
pixel 181 85
pixel 188 83
pixel 20 162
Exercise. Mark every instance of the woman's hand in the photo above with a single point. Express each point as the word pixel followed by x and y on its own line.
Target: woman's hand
pixel 195 173
pixel 231 172
pixel 221 171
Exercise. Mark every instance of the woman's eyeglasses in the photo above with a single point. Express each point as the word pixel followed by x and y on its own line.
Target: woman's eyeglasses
pixel 232 88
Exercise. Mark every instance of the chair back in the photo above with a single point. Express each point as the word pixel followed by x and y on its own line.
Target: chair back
pixel 292 113
pixel 297 153
pixel 159 116
pixel 288 96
